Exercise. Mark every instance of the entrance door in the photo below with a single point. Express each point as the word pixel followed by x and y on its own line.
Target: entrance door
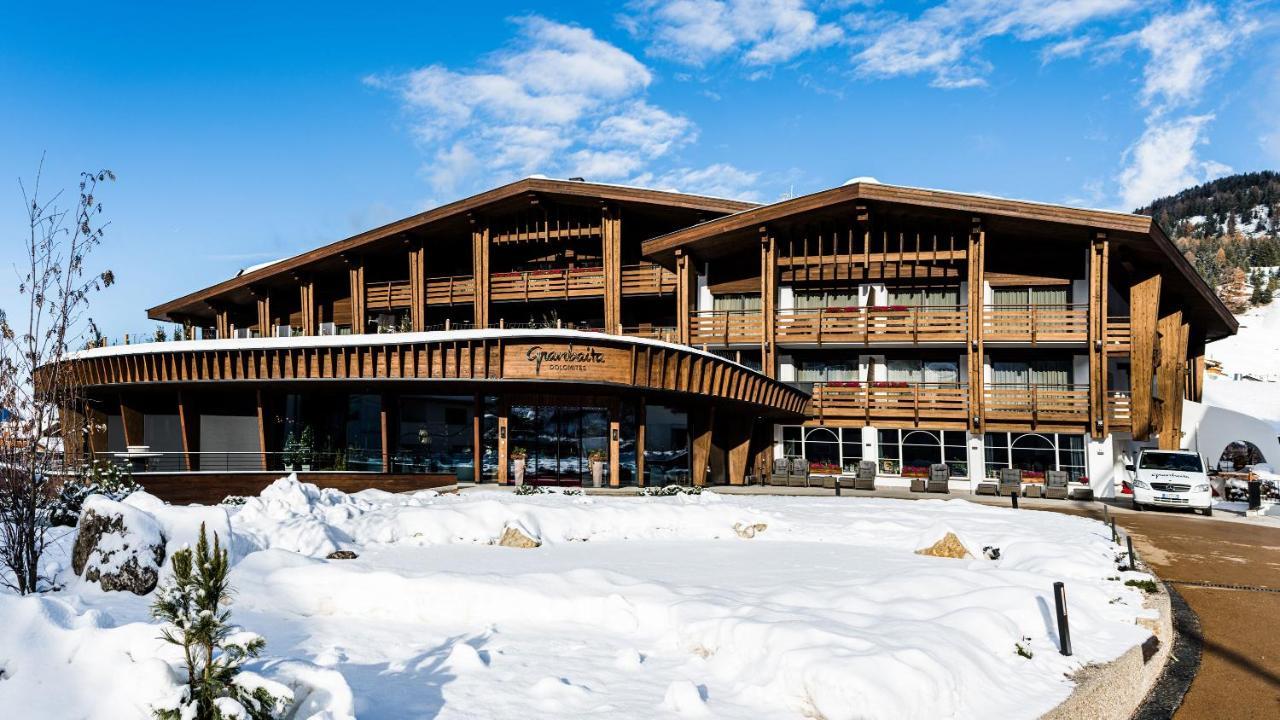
pixel 558 440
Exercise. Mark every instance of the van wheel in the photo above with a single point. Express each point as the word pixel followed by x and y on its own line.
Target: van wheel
pixel 1207 512
pixel 1136 506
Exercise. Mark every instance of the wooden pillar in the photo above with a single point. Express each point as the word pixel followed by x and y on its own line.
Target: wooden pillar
pixel 768 302
pixel 504 409
pixel 263 298
pixel 385 421
pixel 1195 368
pixel 477 440
pixel 480 271
pixel 307 298
pixel 686 295
pixel 1098 260
pixel 262 432
pixel 417 287
pixel 131 420
pixel 1144 307
pixel 355 280
pixel 615 443
pixel 641 425
pixel 221 322
pixel 739 443
pixel 611 254
pixel 1171 332
pixel 701 425
pixel 976 277
pixel 189 424
pixel 762 449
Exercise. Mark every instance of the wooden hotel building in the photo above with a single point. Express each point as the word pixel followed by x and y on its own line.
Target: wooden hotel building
pixel 673 337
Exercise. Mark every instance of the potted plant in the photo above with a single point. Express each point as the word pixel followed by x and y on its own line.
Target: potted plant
pixel 290 450
pixel 305 444
pixel 596 458
pixel 518 455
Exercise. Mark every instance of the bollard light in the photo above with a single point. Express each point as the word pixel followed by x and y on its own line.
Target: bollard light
pixel 1014 498
pixel 1064 629
pixel 837 486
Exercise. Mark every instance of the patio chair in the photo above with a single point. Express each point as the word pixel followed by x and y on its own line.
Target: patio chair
pixel 1010 481
pixel 866 478
pixel 781 469
pixel 939 478
pixel 799 476
pixel 1055 485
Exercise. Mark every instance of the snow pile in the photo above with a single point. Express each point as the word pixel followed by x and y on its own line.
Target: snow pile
pixel 1250 360
pixel 630 608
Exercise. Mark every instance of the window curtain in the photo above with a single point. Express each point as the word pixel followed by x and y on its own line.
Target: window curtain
pixel 736 302
pixel 814 371
pixel 1049 296
pixel 818 299
pixel 1040 296
pixel 1043 373
pixel 925 297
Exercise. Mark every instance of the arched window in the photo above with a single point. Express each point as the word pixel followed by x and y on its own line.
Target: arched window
pixel 920 449
pixel 822 445
pixel 1035 453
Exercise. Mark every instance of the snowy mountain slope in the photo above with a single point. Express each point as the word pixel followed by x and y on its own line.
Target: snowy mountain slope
pixel 1254 352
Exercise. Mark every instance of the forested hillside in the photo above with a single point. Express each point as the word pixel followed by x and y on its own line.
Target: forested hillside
pixel 1230 230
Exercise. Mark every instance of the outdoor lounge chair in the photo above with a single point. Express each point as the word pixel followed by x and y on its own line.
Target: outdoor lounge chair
pixel 1055 485
pixel 866 478
pixel 1010 481
pixel 799 475
pixel 781 469
pixel 939 478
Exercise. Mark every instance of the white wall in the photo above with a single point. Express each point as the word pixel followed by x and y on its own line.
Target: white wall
pixel 704 293
pixel 1208 430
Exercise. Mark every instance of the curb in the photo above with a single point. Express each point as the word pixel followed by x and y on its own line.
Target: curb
pixel 1184 662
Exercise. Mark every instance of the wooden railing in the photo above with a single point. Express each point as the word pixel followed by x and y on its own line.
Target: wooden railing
pixel 451 290
pixel 889 400
pixel 1119 334
pixel 1043 403
pixel 647 279
pixel 387 295
pixel 1035 323
pixel 873 324
pixel 652 332
pixel 1118 409
pixel 547 284
pixel 726 327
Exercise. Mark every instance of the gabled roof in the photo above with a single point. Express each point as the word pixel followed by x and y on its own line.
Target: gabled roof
pixel 531 185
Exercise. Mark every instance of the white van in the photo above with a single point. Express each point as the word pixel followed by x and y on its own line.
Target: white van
pixel 1171 478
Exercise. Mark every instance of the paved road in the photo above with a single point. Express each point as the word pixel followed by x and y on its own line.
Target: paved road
pixel 1240 669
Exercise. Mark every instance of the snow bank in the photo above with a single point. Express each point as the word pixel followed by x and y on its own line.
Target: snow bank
pixel 635 607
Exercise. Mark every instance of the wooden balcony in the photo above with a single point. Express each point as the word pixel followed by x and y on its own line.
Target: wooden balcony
pixel 1036 323
pixel 1118 410
pixel 889 401
pixel 451 290
pixel 1119 334
pixel 387 295
pixel 866 325
pixel 561 284
pixel 1037 404
pixel 726 327
pixel 652 332
pixel 647 279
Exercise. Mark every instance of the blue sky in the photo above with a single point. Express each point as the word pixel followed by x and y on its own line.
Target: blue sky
pixel 243 133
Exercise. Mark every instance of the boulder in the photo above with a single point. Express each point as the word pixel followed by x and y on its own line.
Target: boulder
pixel 948 547
pixel 514 537
pixel 119 547
pixel 746 532
pixel 341 555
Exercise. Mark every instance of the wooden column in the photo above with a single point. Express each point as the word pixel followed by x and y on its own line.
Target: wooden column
pixel 131 420
pixel 615 443
pixel 976 277
pixel 641 423
pixel 504 409
pixel 1170 374
pixel 417 287
pixel 355 280
pixel 768 302
pixel 1098 257
pixel 739 449
pixel 262 432
pixel 686 295
pixel 222 322
pixel 385 420
pixel 307 298
pixel 480 271
pixel 477 440
pixel 1144 306
pixel 701 426
pixel 611 253
pixel 95 428
pixel 189 424
pixel 263 297
pixel 1195 368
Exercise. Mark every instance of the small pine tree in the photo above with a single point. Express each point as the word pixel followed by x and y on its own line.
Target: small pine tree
pixel 161 335
pixel 193 603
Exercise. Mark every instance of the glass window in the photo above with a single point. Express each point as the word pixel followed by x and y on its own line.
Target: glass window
pixel 1024 296
pixel 826 371
pixel 1170 461
pixel 792 441
pixel 666 445
pixel 850 448
pixel 364 432
pixel 924 297
pixel 1035 453
pixel 819 299
pixel 435 435
pixel 736 302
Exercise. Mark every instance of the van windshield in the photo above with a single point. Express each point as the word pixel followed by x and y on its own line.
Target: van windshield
pixel 1171 461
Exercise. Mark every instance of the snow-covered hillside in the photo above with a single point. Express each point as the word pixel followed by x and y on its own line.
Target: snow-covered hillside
pixel 1250 382
pixel 687 606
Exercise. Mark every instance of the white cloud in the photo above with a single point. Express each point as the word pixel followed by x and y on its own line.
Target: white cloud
pixel 1165 160
pixel 760 32
pixel 1185 49
pixel 718 180
pixel 944 41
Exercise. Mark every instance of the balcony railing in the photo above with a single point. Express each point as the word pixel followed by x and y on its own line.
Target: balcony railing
pixel 726 327
pixel 1035 323
pixel 863 325
pixel 889 401
pixel 1119 334
pixel 1119 404
pixel 647 279
pixel 652 332
pixel 1037 403
pixel 387 295
pixel 451 290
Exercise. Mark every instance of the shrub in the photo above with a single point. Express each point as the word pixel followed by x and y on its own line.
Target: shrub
pixel 666 490
pixel 97 477
pixel 1148 586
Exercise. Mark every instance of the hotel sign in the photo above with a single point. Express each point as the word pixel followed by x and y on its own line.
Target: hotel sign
pixel 567 361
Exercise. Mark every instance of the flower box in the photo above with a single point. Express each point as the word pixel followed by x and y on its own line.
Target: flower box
pixel 844 384
pixel 888 308
pixel 890 384
pixel 915 471
pixel 824 469
pixel 1032 476
pixel 842 309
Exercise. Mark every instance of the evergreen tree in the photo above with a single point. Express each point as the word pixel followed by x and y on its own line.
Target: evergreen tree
pixel 193 603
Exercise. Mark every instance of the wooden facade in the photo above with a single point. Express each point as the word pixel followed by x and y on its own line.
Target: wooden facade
pixel 831 299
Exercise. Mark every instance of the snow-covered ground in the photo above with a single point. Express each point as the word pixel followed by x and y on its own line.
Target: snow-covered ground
pixel 631 608
pixel 1253 351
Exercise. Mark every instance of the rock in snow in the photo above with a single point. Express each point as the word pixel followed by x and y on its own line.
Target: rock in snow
pixel 118 547
pixel 947 547
pixel 514 537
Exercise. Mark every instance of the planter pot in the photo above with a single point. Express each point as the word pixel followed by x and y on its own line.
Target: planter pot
pixel 597 473
pixel 288 467
pixel 517 468
pixel 306 467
